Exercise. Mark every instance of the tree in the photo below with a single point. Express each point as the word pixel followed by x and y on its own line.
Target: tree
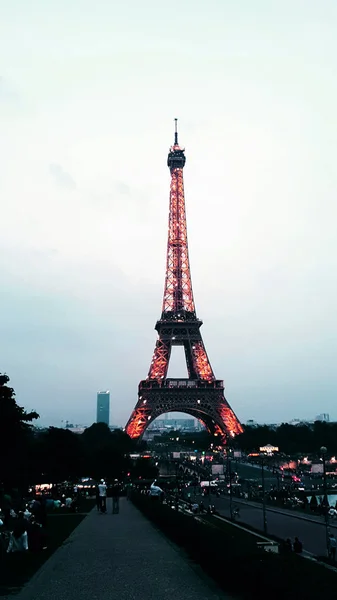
pixel 15 435
pixel 106 451
pixel 58 455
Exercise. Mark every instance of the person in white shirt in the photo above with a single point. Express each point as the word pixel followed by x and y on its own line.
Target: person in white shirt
pixel 102 495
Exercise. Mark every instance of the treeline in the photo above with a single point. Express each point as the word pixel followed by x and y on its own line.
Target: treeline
pixel 29 456
pixel 291 439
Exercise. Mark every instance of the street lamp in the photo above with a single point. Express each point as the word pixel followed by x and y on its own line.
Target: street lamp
pixel 209 483
pixel 263 497
pixel 229 471
pixel 324 450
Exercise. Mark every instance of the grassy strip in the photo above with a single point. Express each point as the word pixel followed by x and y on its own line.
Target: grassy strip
pixel 17 568
pixel 232 558
pixel 85 506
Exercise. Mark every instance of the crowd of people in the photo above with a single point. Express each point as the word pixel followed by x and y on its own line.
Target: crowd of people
pixel 23 527
pixel 23 521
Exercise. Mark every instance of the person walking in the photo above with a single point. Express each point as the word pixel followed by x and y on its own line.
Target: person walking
pixel 98 501
pixel 298 546
pixel 102 495
pixel 332 544
pixel 115 498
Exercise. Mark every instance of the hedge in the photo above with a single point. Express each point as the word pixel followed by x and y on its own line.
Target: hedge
pixel 233 559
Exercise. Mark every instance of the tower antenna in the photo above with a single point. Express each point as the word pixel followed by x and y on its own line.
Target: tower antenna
pixel 176 132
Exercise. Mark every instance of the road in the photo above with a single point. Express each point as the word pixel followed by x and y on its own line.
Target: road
pixel 280 524
pixel 249 471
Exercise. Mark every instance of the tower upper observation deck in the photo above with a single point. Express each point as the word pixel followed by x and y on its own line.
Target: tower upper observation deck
pixel 176 158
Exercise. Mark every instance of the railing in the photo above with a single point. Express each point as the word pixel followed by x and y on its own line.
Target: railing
pixel 181 383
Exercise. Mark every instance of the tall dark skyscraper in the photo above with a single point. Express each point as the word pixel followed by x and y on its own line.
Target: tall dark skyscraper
pixel 103 407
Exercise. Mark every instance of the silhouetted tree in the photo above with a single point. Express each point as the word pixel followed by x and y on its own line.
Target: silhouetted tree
pixel 15 436
pixel 58 455
pixel 106 451
pixel 291 439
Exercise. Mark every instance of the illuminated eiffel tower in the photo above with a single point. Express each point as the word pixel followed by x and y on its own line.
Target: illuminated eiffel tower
pixel 201 395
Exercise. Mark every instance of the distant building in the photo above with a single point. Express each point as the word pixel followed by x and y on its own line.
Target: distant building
pixel 323 417
pixel 181 424
pixel 103 407
pixel 77 429
pixel 252 423
pixel 269 449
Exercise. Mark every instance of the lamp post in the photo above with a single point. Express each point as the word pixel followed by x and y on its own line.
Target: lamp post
pixel 229 471
pixel 325 501
pixel 209 482
pixel 176 468
pixel 263 497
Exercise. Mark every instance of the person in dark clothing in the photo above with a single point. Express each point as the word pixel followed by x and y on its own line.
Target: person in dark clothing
pixel 42 512
pixel 35 508
pixel 286 546
pixel 6 509
pixel 332 543
pixel 115 498
pixel 298 547
pixel 37 537
pixel 98 501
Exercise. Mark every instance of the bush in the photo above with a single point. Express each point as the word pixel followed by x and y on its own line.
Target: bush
pixel 232 558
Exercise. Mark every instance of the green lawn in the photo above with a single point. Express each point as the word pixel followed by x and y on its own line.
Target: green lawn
pixel 85 507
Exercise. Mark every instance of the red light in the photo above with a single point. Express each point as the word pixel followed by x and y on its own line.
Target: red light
pixel 178 275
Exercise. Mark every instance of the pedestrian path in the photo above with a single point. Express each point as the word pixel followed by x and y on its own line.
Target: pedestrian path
pixel 120 557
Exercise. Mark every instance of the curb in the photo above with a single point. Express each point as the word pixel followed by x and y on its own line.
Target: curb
pixel 305 554
pixel 281 512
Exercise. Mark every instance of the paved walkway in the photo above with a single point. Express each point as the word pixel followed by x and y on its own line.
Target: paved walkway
pixel 120 557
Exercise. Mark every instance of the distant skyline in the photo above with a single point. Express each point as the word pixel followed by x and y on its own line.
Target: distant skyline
pixel 183 417
pixel 88 94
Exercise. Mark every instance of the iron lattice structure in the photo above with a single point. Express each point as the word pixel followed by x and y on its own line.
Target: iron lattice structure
pixel 201 395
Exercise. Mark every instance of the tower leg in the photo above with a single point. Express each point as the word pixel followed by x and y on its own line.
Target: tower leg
pixel 208 404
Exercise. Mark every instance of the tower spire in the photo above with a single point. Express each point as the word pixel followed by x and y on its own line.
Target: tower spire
pixel 176 132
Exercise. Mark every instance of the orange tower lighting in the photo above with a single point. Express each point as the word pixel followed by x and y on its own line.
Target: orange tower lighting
pixel 201 395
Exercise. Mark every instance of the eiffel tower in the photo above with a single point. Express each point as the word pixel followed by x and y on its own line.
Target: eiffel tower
pixel 201 395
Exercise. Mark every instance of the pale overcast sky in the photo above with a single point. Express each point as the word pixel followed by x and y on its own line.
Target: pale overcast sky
pixel 88 94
